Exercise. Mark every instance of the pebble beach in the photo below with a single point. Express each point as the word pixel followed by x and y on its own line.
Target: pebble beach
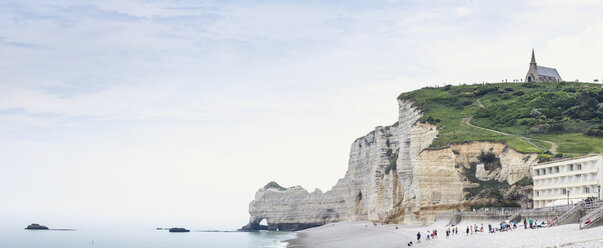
pixel 366 234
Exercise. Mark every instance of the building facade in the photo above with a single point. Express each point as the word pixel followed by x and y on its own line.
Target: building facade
pixel 538 73
pixel 569 179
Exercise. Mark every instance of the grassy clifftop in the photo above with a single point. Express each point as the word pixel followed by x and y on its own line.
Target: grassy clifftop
pixel 536 115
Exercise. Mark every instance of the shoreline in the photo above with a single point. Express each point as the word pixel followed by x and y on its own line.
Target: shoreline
pixel 365 234
pixel 295 242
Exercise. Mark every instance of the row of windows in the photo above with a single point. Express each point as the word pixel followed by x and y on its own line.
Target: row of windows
pixel 560 192
pixel 567 168
pixel 567 179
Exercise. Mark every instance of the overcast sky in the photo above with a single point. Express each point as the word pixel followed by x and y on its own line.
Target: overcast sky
pixel 165 113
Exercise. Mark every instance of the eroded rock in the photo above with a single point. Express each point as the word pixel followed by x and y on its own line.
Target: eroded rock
pixel 392 177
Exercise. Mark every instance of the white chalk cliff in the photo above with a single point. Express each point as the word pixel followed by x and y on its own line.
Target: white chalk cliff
pixel 394 177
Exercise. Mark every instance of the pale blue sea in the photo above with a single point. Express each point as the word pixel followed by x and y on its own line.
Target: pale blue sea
pixel 132 238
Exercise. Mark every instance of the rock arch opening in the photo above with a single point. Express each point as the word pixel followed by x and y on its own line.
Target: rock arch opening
pixel 263 222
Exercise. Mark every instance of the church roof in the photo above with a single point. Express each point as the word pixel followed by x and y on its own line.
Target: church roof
pixel 549 72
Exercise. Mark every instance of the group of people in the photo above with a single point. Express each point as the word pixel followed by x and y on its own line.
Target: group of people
pixel 589 200
pixel 470 230
pixel 533 224
pixel 501 227
pixel 433 234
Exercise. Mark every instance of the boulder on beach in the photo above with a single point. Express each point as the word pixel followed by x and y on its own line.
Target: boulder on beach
pixel 34 226
pixel 178 229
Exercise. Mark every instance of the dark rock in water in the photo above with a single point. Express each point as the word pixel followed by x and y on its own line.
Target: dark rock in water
pixel 34 226
pixel 255 226
pixel 178 229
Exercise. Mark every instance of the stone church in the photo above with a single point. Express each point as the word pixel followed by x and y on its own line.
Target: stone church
pixel 541 73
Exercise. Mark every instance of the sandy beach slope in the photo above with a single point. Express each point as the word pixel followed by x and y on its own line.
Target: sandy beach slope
pixel 365 234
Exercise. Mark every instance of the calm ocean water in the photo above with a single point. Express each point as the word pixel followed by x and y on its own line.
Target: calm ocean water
pixel 132 238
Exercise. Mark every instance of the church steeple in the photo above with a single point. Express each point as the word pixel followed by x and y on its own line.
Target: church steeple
pixel 533 57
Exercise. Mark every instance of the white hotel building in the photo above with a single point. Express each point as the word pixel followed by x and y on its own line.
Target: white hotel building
pixel 577 178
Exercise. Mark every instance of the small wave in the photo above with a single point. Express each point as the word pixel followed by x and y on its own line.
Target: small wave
pixel 280 244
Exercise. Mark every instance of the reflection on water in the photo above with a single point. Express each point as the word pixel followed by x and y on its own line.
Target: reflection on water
pixel 118 238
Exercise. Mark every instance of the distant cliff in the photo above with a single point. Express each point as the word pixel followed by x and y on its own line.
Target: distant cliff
pixel 394 177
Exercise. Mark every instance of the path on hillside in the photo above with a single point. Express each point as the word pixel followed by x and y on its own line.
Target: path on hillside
pixel 467 121
pixel 553 149
pixel 479 102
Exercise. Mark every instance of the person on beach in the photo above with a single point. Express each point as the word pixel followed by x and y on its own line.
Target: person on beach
pixel 467 231
pixel 489 228
pixel 530 223
pixel 525 224
pixel 418 237
pixel 428 236
pixel 456 230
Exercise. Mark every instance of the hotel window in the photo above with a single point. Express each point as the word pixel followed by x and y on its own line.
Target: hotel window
pixel 550 170
pixel 537 172
pixel 557 169
pixel 537 193
pixel 578 178
pixel 586 189
pixel 571 167
pixel 564 191
pixel 579 167
pixel 543 171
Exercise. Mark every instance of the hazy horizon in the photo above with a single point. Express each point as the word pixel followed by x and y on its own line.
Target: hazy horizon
pixel 174 113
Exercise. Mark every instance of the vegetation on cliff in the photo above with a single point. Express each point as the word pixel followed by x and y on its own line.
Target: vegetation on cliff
pixel 274 185
pixel 566 113
pixel 392 164
pixel 498 193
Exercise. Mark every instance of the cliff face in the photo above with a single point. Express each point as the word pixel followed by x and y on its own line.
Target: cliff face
pixel 393 178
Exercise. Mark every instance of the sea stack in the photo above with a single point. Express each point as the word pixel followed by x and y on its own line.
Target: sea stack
pixel 34 226
pixel 178 229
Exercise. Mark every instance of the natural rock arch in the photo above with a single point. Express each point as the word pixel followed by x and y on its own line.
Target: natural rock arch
pixel 263 222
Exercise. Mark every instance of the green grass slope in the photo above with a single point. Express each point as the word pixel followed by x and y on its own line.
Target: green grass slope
pixel 567 113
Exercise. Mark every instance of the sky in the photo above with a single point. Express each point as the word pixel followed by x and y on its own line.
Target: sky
pixel 174 113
